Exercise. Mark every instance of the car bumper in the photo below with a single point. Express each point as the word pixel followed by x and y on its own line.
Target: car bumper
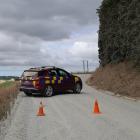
pixel 30 89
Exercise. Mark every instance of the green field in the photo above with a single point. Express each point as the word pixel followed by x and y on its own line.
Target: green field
pixel 7 84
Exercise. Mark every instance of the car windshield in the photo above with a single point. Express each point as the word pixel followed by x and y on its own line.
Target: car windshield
pixel 30 73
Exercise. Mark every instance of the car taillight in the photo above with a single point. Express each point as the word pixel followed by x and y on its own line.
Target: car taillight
pixel 36 84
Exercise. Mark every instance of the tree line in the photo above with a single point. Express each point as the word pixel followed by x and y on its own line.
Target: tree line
pixel 119 31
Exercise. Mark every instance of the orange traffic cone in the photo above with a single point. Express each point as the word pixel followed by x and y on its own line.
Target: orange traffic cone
pixel 96 109
pixel 41 110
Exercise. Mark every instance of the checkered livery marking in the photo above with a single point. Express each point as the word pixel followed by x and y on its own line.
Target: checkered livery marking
pixel 54 80
pixel 61 78
pixel 59 81
pixel 47 82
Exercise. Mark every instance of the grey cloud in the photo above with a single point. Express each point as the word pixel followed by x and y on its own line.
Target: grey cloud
pixel 13 45
pixel 26 24
pixel 46 19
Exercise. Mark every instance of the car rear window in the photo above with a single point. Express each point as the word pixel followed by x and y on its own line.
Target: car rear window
pixel 30 73
pixel 42 73
pixel 34 73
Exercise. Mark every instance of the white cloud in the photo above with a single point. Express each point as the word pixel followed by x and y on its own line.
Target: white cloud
pixel 84 50
pixel 68 53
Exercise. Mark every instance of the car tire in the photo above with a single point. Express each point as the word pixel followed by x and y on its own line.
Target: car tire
pixel 48 91
pixel 28 93
pixel 77 88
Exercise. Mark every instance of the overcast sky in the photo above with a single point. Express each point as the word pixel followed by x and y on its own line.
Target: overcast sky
pixel 48 32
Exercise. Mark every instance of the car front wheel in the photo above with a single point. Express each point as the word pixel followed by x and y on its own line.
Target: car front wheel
pixel 48 92
pixel 77 88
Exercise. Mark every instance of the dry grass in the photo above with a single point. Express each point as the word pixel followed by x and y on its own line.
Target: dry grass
pixel 8 93
pixel 121 79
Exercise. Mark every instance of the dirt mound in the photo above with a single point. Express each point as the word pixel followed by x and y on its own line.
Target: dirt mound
pixel 121 79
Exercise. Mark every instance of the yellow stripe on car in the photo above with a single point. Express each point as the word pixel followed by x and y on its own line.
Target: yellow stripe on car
pixel 47 81
pixel 61 78
pixel 54 78
pixel 53 81
pixel 59 81
pixel 76 79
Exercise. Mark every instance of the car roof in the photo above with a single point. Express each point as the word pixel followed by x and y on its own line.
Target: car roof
pixel 41 68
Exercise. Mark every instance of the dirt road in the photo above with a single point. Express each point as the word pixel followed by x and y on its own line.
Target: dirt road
pixel 70 117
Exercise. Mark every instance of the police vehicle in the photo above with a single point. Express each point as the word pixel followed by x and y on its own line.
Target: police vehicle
pixel 47 80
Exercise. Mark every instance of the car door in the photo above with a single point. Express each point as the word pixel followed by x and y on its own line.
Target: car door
pixel 65 79
pixel 54 78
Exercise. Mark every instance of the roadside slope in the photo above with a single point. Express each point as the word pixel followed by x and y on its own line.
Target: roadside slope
pixel 119 78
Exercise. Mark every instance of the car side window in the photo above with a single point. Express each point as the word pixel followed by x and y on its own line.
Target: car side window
pixel 42 73
pixel 62 73
pixel 53 73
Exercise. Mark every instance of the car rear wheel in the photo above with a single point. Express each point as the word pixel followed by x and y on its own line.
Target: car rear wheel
pixel 77 88
pixel 48 92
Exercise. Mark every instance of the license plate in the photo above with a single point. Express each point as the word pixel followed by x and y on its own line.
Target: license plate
pixel 27 82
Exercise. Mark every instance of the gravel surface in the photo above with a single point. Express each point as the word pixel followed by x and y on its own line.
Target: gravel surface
pixel 70 117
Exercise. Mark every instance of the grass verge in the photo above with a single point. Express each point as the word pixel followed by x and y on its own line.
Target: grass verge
pixel 8 94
